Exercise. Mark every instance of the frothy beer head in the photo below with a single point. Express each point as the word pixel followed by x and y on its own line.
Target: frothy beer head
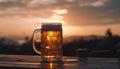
pixel 51 26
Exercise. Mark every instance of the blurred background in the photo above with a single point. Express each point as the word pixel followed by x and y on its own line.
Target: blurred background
pixel 90 24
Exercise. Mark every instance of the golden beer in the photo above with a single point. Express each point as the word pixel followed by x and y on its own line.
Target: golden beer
pixel 51 41
pixel 51 44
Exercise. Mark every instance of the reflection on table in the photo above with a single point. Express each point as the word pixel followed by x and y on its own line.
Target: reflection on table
pixel 34 62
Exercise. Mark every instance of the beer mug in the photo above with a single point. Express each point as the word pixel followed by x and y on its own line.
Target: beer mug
pixel 48 40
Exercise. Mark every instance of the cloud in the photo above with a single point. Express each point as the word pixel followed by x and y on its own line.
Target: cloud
pixel 60 11
pixel 33 3
pixel 92 16
pixel 74 12
pixel 3 0
pixel 94 3
pixel 69 0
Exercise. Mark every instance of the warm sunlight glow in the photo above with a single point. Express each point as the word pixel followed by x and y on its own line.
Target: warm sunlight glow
pixel 51 65
pixel 55 18
pixel 60 11
pixel 51 36
pixel 47 47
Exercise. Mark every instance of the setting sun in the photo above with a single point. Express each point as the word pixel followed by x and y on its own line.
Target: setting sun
pixel 55 18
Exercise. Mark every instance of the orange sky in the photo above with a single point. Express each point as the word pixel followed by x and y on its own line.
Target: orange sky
pixel 79 17
pixel 21 27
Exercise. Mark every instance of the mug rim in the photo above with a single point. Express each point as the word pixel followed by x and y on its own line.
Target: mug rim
pixel 51 26
pixel 51 23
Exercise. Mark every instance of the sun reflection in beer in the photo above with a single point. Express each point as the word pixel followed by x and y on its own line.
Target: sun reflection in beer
pixel 51 38
pixel 52 43
pixel 47 47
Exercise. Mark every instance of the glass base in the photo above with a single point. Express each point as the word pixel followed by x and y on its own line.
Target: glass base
pixel 51 60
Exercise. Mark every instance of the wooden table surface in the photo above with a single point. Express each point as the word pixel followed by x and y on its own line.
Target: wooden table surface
pixel 33 62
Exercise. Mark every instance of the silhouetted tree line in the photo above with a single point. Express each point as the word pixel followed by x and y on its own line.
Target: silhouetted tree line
pixel 92 43
pixel 9 46
pixel 109 43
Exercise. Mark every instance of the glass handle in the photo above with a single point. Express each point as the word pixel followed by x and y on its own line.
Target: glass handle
pixel 36 41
